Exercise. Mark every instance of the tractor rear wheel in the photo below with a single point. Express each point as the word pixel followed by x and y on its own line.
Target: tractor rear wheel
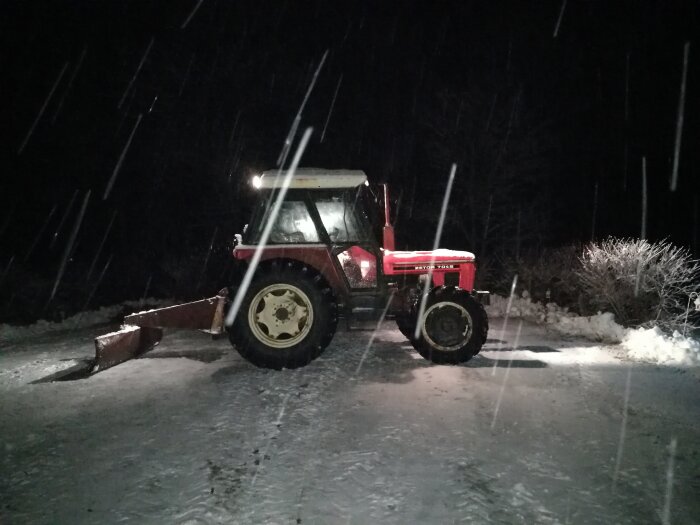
pixel 286 319
pixel 453 326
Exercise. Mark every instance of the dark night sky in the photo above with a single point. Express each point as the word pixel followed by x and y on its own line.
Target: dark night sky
pixel 535 123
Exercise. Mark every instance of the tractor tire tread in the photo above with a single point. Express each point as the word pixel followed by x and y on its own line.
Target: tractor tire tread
pixel 479 327
pixel 309 348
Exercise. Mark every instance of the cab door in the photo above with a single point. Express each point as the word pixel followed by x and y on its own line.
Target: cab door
pixel 353 246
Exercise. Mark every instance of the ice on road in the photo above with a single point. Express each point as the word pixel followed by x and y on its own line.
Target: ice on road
pixel 192 433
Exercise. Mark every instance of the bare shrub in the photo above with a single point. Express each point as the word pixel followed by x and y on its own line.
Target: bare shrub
pixel 552 270
pixel 643 283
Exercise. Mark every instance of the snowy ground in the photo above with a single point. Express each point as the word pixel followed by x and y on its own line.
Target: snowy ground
pixel 191 433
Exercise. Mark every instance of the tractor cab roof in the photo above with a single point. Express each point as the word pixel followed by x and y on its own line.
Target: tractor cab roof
pixel 311 179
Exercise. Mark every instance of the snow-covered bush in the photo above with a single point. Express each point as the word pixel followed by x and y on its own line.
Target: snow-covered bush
pixel 597 327
pixel 643 283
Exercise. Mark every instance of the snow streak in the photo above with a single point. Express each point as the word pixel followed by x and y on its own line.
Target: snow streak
pixel 108 189
pixel 187 20
pixel 627 87
pixel 97 283
pixel 69 246
pixel 595 210
pixel 695 223
pixel 486 222
pixel 625 164
pixel 679 121
pixel 517 233
pixel 561 15
pixel 623 428
pixel 505 377
pixel 374 334
pixel 297 119
pixel 7 269
pixel 233 129
pixel 643 233
pixel 41 232
pixel 43 108
pixel 99 248
pixel 187 74
pixel 206 258
pixel 145 290
pixel 70 84
pixel 63 219
pixel 627 114
pixel 131 83
pixel 277 422
pixel 505 320
pixel 253 265
pixel 153 103
pixel 666 515
pixel 513 111
pixel 330 111
pixel 436 245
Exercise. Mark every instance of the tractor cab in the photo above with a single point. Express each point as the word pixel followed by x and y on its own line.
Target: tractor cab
pixel 336 211
pixel 325 214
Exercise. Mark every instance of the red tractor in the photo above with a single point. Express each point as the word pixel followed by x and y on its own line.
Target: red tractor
pixel 326 256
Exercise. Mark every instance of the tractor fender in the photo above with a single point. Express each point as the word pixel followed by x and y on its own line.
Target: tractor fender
pixel 317 257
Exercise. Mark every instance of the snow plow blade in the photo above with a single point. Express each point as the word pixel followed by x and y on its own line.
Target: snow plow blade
pixel 142 331
pixel 117 347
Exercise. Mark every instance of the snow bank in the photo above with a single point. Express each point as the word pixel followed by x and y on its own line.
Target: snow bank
pixel 520 308
pixel 646 344
pixel 102 315
pixel 600 327
pixel 651 344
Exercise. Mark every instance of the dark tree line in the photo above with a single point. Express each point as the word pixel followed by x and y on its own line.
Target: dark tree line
pixel 535 124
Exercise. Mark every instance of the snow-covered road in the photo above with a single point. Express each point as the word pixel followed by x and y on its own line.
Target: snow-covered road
pixel 191 433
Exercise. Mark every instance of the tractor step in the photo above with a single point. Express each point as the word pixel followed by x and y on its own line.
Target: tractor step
pixel 483 297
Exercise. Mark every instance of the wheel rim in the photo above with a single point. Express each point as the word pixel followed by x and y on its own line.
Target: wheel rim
pixel 280 315
pixel 447 326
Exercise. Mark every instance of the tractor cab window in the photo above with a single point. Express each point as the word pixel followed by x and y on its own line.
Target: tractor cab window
pixel 341 216
pixel 293 224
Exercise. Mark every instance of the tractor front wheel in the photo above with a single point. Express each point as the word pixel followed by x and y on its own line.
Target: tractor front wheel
pixel 452 328
pixel 287 318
